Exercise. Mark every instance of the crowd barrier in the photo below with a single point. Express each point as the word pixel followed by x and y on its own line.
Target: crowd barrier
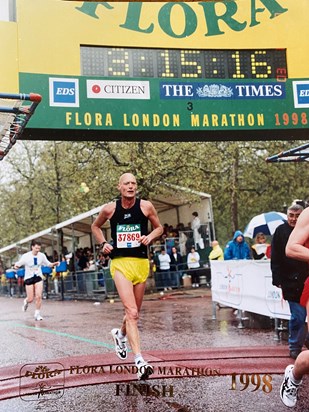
pixel 98 285
pixel 246 285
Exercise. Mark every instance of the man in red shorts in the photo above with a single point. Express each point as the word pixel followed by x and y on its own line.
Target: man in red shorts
pixel 129 267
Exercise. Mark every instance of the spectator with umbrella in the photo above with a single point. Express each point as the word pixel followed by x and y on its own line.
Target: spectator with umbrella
pixel 265 223
pixel 260 248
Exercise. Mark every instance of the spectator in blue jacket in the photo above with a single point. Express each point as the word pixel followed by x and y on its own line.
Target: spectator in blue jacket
pixel 237 248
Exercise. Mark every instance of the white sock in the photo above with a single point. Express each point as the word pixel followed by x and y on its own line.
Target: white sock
pixel 120 334
pixel 138 358
pixel 292 377
pixel 37 312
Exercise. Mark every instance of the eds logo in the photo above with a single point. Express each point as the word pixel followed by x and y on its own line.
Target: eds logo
pixel 63 92
pixel 301 93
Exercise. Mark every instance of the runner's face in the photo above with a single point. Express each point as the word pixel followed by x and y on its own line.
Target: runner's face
pixel 36 249
pixel 127 186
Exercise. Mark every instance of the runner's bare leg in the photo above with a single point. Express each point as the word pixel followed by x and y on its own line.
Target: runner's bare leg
pixel 132 298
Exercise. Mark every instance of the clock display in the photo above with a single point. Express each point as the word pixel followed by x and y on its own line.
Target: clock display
pixel 183 63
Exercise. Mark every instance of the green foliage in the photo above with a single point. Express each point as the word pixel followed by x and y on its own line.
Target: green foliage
pixel 43 186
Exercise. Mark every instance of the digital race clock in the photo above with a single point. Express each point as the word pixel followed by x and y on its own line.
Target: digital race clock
pixel 183 63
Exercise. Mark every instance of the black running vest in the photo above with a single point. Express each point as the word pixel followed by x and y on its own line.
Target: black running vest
pixel 127 226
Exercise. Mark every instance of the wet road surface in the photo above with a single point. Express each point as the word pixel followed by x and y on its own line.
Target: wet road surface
pixel 175 332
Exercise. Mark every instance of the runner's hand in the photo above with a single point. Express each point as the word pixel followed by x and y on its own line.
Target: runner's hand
pixel 145 240
pixel 107 248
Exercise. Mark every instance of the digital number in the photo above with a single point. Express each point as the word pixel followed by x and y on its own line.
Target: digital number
pixel 190 63
pixel 256 66
pixel 118 62
pixel 293 119
pixel 238 74
pixel 165 68
pixel 253 380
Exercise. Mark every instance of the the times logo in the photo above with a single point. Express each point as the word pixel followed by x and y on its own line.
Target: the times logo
pixel 63 92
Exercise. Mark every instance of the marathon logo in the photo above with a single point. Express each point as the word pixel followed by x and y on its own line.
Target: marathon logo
pixel 63 92
pixel 118 89
pixel 301 94
pixel 128 228
pixel 216 91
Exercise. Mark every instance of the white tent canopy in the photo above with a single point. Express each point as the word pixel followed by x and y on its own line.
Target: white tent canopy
pixel 76 231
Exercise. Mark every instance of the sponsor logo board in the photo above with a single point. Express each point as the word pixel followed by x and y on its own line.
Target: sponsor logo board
pixel 301 94
pixel 118 89
pixel 63 92
pixel 216 91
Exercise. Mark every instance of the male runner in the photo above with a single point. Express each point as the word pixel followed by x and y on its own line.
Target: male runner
pixel 129 268
pixel 33 262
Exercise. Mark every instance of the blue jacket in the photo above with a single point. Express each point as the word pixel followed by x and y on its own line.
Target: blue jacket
pixel 236 250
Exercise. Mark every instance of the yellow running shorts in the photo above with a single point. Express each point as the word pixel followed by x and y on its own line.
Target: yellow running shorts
pixel 136 270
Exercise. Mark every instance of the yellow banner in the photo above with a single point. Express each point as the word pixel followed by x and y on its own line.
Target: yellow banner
pixel 51 32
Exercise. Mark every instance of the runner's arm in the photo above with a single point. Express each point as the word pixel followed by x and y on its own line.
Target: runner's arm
pixel 151 213
pixel 105 214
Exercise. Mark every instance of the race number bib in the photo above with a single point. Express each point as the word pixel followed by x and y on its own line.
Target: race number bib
pixel 35 267
pixel 128 236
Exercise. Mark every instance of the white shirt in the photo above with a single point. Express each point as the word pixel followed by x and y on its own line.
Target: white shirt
pixel 33 263
pixel 164 261
pixel 193 260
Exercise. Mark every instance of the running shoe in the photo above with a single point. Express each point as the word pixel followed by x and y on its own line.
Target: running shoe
pixel 120 344
pixel 37 316
pixel 144 370
pixel 25 305
pixel 288 390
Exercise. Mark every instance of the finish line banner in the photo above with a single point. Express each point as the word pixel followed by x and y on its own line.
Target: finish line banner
pixel 247 285
pixel 85 103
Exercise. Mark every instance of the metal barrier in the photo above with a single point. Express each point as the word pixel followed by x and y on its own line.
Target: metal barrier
pixel 94 285
pixel 99 285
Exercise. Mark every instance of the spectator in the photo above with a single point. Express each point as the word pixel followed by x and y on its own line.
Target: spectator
pixel 182 239
pixel 165 230
pixel 83 261
pixel 193 262
pixel 165 275
pixel 169 244
pixel 176 266
pixel 259 249
pixel 217 252
pixel 189 243
pixel 237 248
pixel 290 274
pixel 92 264
pixel 195 226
